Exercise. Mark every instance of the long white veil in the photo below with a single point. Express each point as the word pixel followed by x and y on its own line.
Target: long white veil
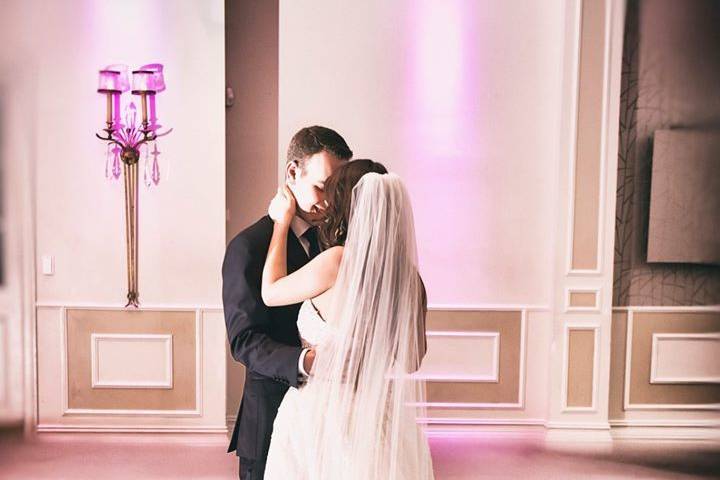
pixel 369 400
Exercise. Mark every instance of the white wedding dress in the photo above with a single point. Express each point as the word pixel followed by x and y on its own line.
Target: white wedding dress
pixel 356 416
pixel 288 455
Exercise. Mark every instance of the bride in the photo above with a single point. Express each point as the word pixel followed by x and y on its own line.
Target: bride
pixel 364 315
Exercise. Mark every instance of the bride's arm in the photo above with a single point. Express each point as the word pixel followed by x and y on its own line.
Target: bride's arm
pixel 279 288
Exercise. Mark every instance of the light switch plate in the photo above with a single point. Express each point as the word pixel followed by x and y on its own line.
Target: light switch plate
pixel 48 265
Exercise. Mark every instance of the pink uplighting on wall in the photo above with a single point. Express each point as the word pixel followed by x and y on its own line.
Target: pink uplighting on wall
pixel 437 72
pixel 442 129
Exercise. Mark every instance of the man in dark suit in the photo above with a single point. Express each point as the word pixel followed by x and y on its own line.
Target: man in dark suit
pixel 266 339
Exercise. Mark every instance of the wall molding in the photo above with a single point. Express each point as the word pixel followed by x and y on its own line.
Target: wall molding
pixel 628 360
pixel 57 427
pixel 529 431
pixel 165 339
pixel 571 431
pixel 663 433
pixel 655 352
pixel 520 404
pixel 573 131
pixel 462 427
pixel 66 411
pixel 565 366
pixel 665 423
pixel 479 421
pixel 580 309
pixel 530 307
pixel 482 307
pixel 606 100
pixel 152 307
pixel 577 425
pixel 494 377
pixel 664 309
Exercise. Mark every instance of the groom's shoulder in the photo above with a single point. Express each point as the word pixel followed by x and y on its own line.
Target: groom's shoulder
pixel 256 236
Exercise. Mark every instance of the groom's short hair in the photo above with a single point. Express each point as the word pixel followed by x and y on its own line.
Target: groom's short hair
pixel 311 140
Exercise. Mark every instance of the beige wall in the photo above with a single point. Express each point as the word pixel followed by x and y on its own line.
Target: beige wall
pixel 462 99
pixel 473 129
pixel 485 138
pixel 78 216
pixel 251 70
pixel 640 396
pixel 195 404
pixel 510 155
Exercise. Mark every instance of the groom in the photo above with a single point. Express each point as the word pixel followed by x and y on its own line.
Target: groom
pixel 265 339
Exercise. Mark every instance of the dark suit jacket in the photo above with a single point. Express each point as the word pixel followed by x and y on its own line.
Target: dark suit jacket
pixel 264 339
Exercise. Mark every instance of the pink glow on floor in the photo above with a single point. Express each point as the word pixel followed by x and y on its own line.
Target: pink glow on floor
pixel 150 456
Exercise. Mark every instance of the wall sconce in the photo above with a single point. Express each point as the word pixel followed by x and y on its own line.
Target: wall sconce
pixel 125 142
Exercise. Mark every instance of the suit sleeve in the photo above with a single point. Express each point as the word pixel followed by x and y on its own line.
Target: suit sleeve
pixel 247 320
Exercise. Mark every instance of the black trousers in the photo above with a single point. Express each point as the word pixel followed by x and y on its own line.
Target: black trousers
pixel 248 470
pixel 253 429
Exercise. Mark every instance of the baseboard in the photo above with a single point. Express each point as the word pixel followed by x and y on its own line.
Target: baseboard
pixel 526 432
pixel 666 433
pixel 230 423
pixel 578 437
pixel 520 429
pixel 131 429
pixel 592 435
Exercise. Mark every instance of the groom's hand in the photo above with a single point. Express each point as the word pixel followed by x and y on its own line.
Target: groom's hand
pixel 309 360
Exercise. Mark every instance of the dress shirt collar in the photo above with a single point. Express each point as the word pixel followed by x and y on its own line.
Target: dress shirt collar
pixel 299 226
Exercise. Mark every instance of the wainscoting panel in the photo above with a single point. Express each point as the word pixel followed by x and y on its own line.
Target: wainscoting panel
pixel 466 356
pixel 640 391
pixel 581 367
pixel 582 300
pixel 110 369
pixel 587 173
pixel 121 360
pixel 681 420
pixel 517 403
pixel 84 324
pixel 492 378
pixel 685 358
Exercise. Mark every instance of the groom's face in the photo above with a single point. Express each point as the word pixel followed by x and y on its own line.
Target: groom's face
pixel 307 182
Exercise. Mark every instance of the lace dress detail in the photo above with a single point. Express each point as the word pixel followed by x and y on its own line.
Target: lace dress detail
pixel 312 327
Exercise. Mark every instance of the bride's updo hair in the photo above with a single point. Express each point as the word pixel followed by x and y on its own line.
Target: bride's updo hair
pixel 338 194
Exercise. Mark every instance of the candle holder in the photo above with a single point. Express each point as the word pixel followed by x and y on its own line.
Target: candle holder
pixel 125 142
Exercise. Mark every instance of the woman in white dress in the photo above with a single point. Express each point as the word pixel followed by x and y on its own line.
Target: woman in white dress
pixel 364 315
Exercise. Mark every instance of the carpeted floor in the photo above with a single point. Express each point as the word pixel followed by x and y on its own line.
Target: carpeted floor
pixel 157 456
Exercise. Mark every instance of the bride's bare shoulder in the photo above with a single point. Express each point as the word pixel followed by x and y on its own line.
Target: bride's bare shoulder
pixel 335 252
pixel 332 255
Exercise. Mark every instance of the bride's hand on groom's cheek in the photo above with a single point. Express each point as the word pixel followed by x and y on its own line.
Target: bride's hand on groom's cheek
pixel 282 207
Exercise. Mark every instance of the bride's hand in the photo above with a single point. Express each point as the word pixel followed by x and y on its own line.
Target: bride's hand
pixel 282 207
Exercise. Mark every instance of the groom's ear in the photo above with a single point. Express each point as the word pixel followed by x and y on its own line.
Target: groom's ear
pixel 292 171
